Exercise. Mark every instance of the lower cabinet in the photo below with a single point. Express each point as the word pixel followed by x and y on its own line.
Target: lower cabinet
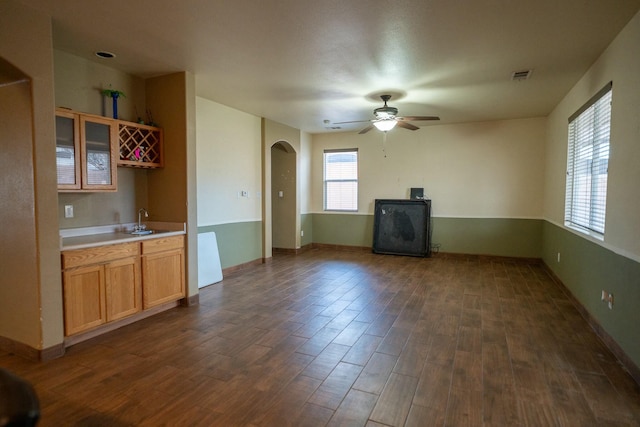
pixel 84 299
pixel 111 282
pixel 100 285
pixel 123 288
pixel 163 270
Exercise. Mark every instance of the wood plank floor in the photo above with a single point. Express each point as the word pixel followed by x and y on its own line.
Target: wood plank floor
pixel 348 339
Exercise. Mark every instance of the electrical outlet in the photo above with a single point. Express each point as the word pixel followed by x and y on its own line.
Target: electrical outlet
pixel 608 298
pixel 68 211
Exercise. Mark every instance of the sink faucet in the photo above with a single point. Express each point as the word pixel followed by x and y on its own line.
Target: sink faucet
pixel 146 215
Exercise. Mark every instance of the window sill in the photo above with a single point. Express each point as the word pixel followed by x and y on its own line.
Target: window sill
pixel 585 231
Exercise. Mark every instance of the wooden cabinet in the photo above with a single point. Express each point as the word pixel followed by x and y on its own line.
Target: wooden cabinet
pixel 85 152
pixel 140 145
pixel 163 270
pixel 123 288
pixel 84 299
pixel 101 284
pixel 107 283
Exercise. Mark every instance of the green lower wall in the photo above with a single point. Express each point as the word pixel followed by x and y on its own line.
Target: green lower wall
pixel 489 236
pixel 342 229
pixel 238 243
pixel 587 269
pixel 241 242
pixel 306 225
pixel 486 236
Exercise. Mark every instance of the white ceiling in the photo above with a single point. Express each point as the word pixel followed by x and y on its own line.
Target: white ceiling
pixel 302 62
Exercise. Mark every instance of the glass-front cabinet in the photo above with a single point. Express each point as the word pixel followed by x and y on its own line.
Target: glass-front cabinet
pixel 98 142
pixel 85 152
pixel 67 151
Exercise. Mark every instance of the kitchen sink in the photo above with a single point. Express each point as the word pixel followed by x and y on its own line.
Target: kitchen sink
pixel 141 232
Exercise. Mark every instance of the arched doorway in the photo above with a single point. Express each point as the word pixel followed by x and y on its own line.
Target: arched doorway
pixel 283 197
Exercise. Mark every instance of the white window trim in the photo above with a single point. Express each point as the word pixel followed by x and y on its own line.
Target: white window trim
pixel 570 218
pixel 325 180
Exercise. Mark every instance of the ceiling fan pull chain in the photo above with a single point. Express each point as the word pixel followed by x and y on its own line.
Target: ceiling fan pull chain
pixel 384 142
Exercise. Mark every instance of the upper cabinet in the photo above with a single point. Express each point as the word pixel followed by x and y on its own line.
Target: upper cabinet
pixel 85 152
pixel 67 150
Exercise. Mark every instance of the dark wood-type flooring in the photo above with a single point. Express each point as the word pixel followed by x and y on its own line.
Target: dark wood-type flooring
pixel 348 339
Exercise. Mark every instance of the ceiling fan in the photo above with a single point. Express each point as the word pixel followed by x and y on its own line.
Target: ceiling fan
pixel 386 119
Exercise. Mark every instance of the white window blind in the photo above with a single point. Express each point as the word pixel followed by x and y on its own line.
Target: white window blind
pixel 341 180
pixel 588 162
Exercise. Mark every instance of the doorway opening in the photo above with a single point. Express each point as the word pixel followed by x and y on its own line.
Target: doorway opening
pixel 283 197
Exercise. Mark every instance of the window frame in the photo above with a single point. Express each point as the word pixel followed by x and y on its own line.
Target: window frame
pixel 588 152
pixel 325 181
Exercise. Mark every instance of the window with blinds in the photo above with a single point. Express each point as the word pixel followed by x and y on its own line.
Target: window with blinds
pixel 588 162
pixel 341 180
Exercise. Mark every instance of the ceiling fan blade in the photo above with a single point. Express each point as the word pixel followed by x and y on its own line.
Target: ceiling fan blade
pixel 407 125
pixel 354 121
pixel 412 118
pixel 365 130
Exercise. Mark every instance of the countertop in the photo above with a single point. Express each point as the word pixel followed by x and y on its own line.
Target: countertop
pixel 88 237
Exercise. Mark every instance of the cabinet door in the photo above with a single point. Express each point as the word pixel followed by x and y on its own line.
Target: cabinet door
pixel 84 298
pixel 67 150
pixel 98 144
pixel 163 277
pixel 123 288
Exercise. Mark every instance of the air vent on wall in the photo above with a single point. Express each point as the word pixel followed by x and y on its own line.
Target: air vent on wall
pixel 521 75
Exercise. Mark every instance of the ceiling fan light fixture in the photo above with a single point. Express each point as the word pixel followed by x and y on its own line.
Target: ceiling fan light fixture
pixel 385 125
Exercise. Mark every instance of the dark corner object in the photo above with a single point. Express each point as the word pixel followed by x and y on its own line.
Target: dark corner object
pixel 402 227
pixel 417 193
pixel 19 404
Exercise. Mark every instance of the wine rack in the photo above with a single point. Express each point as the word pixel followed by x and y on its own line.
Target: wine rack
pixel 140 145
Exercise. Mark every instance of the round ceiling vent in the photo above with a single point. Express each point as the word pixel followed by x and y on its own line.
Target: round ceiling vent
pixel 104 54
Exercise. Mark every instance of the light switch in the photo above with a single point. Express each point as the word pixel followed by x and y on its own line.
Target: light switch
pixel 280 193
pixel 68 211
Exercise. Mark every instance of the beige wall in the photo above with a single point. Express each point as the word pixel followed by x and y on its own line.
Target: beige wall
pixel 77 86
pixel 228 160
pixel 620 63
pixel 476 170
pixel 93 209
pixel 78 83
pixel 304 173
pixel 25 42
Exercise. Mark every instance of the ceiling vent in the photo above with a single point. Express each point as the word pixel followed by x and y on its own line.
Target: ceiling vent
pixel 521 75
